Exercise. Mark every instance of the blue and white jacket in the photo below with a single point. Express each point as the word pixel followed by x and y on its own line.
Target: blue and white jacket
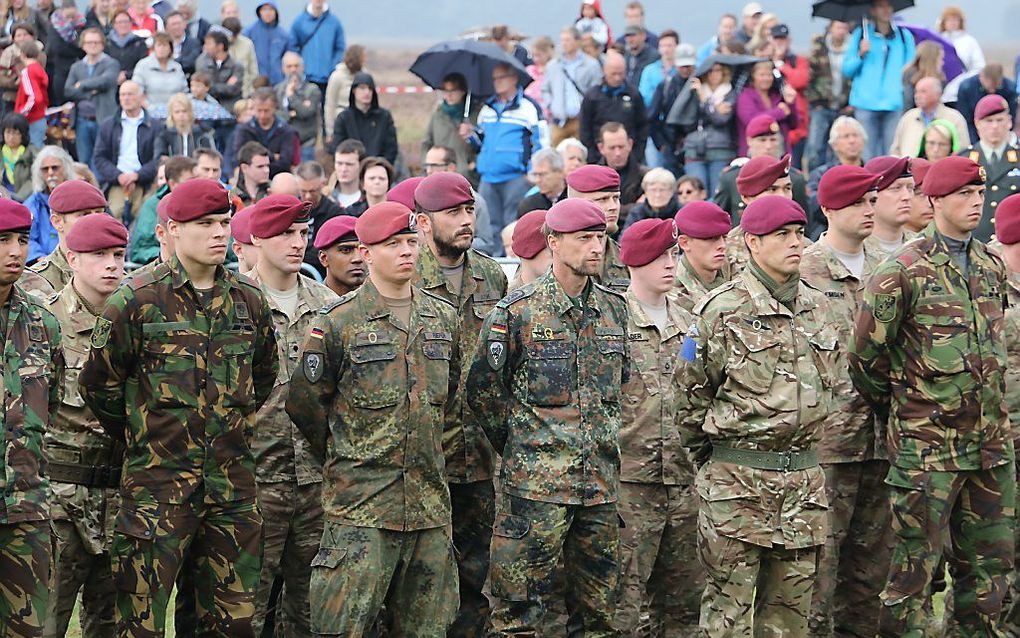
pixel 506 137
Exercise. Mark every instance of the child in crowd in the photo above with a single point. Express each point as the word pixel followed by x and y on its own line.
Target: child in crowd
pixel 33 97
pixel 592 21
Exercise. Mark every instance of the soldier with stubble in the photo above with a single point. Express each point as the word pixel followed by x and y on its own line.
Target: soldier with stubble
pixel 702 267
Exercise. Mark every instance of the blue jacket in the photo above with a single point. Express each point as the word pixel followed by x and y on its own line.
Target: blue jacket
pixel 42 239
pixel 507 137
pixel 878 77
pixel 322 48
pixel 270 44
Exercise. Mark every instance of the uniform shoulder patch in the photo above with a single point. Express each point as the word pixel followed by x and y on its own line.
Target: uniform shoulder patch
pixel 338 302
pixel 885 307
pixel 101 333
pixel 148 276
pixel 515 296
pixel 712 294
pixel 435 297
pixel 612 291
pixel 312 366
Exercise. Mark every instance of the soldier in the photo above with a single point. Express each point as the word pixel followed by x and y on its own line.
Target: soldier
pixel 659 569
pixel 545 384
pixel 34 373
pixel 84 466
pixel 754 386
pixel 69 201
pixel 760 177
pixel 182 358
pixel 921 212
pixel 702 228
pixel 378 371
pixel 339 255
pixel 763 140
pixel 403 193
pixel 601 185
pixel 892 206
pixel 997 155
pixel 855 560
pixel 166 245
pixel 928 348
pixel 528 243
pixel 472 283
pixel 240 231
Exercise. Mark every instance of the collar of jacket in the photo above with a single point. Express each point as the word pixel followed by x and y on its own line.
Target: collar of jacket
pixel 765 305
pixel 432 276
pixel 512 104
pixel 559 302
pixel 939 252
pixel 222 280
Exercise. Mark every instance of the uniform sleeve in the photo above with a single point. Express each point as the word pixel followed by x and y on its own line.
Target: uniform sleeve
pixel 266 364
pixel 313 385
pixel 877 325
pixel 698 376
pixel 488 382
pixel 116 340
pixel 57 365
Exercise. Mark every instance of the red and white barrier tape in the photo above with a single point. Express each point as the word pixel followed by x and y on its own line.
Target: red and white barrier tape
pixel 405 89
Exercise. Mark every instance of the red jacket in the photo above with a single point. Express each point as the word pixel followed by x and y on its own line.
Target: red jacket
pixel 796 71
pixel 33 96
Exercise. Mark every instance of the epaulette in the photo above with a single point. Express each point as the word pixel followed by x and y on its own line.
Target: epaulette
pixel 438 298
pixel 604 288
pixel 515 296
pixel 908 253
pixel 712 294
pixel 148 277
pixel 245 280
pixel 339 302
pixel 485 261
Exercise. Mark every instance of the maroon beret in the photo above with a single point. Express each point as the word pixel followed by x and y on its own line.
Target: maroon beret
pixel 273 215
pixel 919 168
pixel 240 226
pixel 14 216
pixel 74 195
pixel 573 214
pixel 766 215
pixel 842 186
pixel 702 220
pixel 1007 220
pixel 990 105
pixel 528 239
pixel 643 242
pixel 951 174
pixel 96 231
pixel 760 173
pixel 335 230
pixel 889 169
pixel 197 198
pixel 592 178
pixel 403 193
pixel 761 125
pixel 441 191
pixel 161 209
pixel 382 221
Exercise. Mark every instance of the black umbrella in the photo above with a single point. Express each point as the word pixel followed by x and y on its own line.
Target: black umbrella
pixel 851 10
pixel 726 59
pixel 473 59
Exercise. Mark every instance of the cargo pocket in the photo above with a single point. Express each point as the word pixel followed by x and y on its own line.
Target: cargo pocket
pixel 753 361
pixel 239 358
pixel 132 553
pixel 508 567
pixel 611 353
pixel 550 373
pixel 912 526
pixel 326 616
pixel 438 348
pixel 369 364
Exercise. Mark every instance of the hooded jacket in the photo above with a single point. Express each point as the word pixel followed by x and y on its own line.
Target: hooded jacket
pixel 320 41
pixel 270 40
pixel 375 128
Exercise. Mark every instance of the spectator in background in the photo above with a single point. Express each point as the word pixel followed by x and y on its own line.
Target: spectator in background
pixel 574 154
pixel 270 40
pixel 159 75
pixel 66 25
pixel 51 168
pixel 92 85
pixel 846 139
pixel 660 198
pixel 374 176
pixel 795 74
pixel 724 32
pixel 507 135
pixel 344 185
pixel 99 14
pixel 750 18
pixel 500 36
pixel 542 51
pixel 144 20
pixel 637 54
pixel 592 23
pixel 874 65
pixel 567 79
pixel 300 103
pixel 616 148
pixel 613 101
pixel 953 27
pixel 760 97
pixel 271 131
pixel 124 159
pixel 186 48
pixel 656 73
pixel 311 178
pixel 690 188
pixel 761 41
pixel 927 63
pixel 940 141
pixel 19 11
pixel 547 175
pixel 197 25
pixel 990 80
pixel 226 74
pixel 828 91
pixel 338 90
pixel 713 145
pixel 242 51
pixel 163 8
pixel 33 98
pixel 449 126
pixel 9 78
pixel 318 37
pixel 252 182
pixel 910 130
pixel 17 155
pixel 181 135
pixel 210 163
pixel 366 121
pixel 666 141
pixel 634 15
pixel 124 45
pixel 439 159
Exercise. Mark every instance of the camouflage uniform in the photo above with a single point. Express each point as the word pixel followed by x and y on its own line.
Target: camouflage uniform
pixel 737 253
pixel 374 392
pixel 469 455
pixel 754 388
pixel 928 347
pixel 179 375
pixel 728 197
pixel 659 568
pixel 54 269
pixel 689 287
pixel 84 471
pixel 289 478
pixel 1011 333
pixel 871 243
pixel 33 283
pixel 855 560
pixel 33 371
pixel 545 384
pixel 615 275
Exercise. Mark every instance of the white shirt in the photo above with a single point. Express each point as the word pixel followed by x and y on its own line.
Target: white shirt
pixel 127 156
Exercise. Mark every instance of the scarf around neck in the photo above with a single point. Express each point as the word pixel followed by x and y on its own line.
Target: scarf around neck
pixel 785 293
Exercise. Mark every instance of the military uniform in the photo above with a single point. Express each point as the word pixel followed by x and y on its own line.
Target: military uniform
pixel 728 198
pixel 470 459
pixel 1002 180
pixel 33 371
pixel 374 391
pixel 659 564
pixel 1011 333
pixel 614 274
pixel 33 283
pixel 690 289
pixel 84 471
pixel 737 254
pixel 754 387
pixel 545 384
pixel 928 347
pixel 54 268
pixel 289 477
pixel 871 244
pixel 855 560
pixel 179 375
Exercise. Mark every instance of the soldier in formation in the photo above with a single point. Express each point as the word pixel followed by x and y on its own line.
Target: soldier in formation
pixel 339 255
pixel 702 228
pixel 69 201
pixel 893 204
pixel 601 185
pixel 997 154
pixel 528 244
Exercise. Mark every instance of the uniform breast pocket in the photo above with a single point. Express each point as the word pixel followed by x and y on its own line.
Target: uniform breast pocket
pixel 610 370
pixel 755 355
pixel 437 358
pixel 824 350
pixel 74 360
pixel 169 376
pixel 238 357
pixel 551 371
pixel 945 335
pixel 369 366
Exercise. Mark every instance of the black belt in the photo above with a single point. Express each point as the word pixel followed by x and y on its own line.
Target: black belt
pixel 87 475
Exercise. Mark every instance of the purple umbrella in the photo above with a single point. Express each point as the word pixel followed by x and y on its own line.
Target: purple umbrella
pixel 952 66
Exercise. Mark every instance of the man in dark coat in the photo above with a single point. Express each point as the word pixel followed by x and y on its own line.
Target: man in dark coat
pixel 366 121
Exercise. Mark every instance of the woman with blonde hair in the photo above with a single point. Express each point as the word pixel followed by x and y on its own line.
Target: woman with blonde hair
pixel 952 26
pixel 181 135
pixel 927 63
pixel 940 141
pixel 763 32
